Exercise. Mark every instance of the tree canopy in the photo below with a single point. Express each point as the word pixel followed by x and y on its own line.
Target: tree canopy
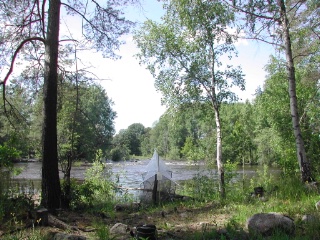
pixel 186 54
pixel 31 33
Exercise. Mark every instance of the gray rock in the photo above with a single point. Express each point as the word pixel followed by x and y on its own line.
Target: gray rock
pixel 119 229
pixel 312 186
pixel 318 205
pixel 309 219
pixel 134 206
pixel 63 236
pixel 266 223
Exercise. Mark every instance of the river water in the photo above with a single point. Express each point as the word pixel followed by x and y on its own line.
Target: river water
pixel 128 174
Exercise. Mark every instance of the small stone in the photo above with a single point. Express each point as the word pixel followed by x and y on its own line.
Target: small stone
pixel 63 236
pixel 307 218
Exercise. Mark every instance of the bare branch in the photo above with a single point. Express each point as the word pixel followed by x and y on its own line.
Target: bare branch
pixel 69 40
pixel 12 64
pixel 262 40
pixel 252 13
pixel 87 20
pixel 16 53
pixel 42 14
pixel 312 99
pixel 317 34
pixel 305 55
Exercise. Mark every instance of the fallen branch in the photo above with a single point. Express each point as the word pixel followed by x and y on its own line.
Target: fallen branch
pixel 55 222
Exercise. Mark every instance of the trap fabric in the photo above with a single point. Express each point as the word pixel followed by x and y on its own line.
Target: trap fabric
pixel 157 180
pixel 157 166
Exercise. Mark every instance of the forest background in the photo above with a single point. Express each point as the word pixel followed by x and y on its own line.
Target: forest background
pixel 253 132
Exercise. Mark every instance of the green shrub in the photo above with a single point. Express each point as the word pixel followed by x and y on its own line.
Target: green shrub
pixel 102 231
pixel 7 155
pixel 96 191
pixel 120 153
pixel 201 187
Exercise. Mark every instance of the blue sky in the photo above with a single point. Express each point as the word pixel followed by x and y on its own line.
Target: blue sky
pixel 131 86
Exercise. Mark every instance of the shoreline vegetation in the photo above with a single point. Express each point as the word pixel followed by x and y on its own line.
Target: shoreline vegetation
pixel 202 215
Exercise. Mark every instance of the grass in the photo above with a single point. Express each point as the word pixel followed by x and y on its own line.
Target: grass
pixel 205 215
pixel 284 195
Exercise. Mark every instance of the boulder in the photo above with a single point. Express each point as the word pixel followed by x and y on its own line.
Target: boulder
pixel 134 206
pixel 267 223
pixel 120 231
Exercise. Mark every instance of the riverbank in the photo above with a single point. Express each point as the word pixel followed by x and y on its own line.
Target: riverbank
pixel 173 221
pixel 202 216
pixel 178 220
pixel 194 219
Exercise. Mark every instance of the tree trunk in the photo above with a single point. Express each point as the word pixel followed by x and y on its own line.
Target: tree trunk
pixel 219 154
pixel 66 193
pixel 66 196
pixel 51 190
pixel 301 152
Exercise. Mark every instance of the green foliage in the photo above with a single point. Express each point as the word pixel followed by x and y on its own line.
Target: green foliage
pixel 184 54
pixel 96 191
pixel 15 204
pixel 184 133
pixel 85 119
pixel 128 142
pixel 264 179
pixel 275 141
pixel 202 188
pixel 230 172
pixel 238 127
pixel 191 151
pixel 7 155
pixel 102 231
pixel 188 76
pixel 119 153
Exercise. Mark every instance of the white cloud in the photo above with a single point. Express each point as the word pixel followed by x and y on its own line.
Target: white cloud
pixel 129 85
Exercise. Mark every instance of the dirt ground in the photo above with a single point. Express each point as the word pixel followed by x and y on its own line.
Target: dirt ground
pixel 171 223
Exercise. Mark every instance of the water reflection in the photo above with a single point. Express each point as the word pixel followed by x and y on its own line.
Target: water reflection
pixel 129 173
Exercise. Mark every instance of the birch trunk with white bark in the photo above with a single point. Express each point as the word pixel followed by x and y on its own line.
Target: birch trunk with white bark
pixel 300 147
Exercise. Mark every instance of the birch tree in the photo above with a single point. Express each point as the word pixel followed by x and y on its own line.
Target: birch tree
pixel 186 54
pixel 271 22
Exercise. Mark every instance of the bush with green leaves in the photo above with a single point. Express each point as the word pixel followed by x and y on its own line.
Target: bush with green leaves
pixel 95 191
pixel 201 187
pixel 120 153
pixel 7 155
pixel 15 204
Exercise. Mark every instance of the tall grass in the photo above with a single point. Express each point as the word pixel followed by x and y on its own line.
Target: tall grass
pixel 283 194
pixel 287 195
